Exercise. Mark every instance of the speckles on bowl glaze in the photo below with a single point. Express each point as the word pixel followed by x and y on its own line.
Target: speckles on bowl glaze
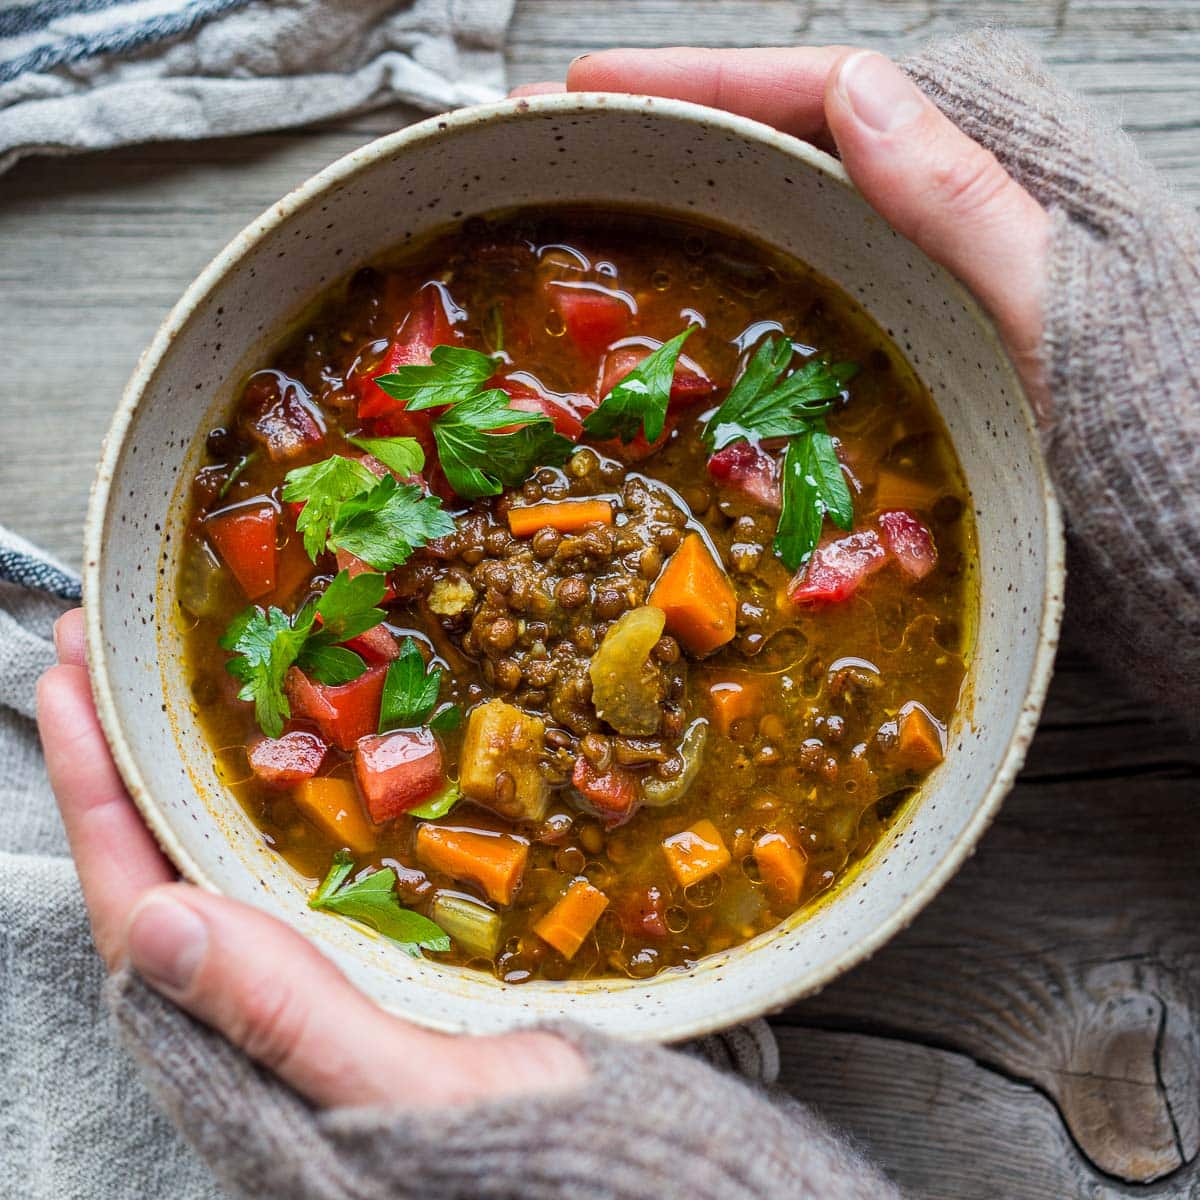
pixel 716 167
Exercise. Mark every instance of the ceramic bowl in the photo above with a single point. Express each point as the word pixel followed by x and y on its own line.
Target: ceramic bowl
pixel 685 159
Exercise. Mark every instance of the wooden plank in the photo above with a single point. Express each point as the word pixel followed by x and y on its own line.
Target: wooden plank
pixel 1066 954
pixel 947 1127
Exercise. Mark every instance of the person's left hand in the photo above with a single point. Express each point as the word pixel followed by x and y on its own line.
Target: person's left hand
pixel 252 978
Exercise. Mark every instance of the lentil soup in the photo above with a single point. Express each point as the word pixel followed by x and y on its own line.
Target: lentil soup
pixel 611 582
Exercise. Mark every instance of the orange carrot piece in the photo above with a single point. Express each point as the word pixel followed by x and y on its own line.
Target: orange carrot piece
pixel 494 861
pixel 920 741
pixel 731 700
pixel 895 490
pixel 567 516
pixel 333 803
pixel 696 853
pixel 782 868
pixel 571 919
pixel 696 595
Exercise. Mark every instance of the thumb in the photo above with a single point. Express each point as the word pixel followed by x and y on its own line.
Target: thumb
pixel 269 991
pixel 944 192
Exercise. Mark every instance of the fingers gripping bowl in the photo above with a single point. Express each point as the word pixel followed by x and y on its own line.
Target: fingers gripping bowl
pixel 606 153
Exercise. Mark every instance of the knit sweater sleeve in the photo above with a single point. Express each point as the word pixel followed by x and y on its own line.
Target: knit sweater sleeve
pixel 645 1122
pixel 1121 352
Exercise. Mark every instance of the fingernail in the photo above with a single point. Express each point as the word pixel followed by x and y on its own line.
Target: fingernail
pixel 58 651
pixel 880 95
pixel 167 940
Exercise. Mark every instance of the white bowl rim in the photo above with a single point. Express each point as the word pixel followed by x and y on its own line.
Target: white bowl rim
pixel 436 127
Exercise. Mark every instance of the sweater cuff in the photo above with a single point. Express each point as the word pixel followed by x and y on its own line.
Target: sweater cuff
pixel 646 1122
pixel 996 89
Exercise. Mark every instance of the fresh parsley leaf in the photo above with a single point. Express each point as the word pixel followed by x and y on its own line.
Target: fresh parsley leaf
pixel 333 665
pixel 480 462
pixel 322 488
pixel 439 804
pixel 372 901
pixel 814 487
pixel 447 718
pixel 409 694
pixel 400 454
pixel 347 607
pixel 764 403
pixel 266 643
pixel 638 403
pixel 385 525
pixel 453 374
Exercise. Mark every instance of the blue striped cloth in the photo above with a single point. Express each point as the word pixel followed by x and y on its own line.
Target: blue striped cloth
pixel 94 74
pixel 28 567
pixel 40 34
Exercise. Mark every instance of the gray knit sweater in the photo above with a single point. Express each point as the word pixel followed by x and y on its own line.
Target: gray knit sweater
pixel 1122 355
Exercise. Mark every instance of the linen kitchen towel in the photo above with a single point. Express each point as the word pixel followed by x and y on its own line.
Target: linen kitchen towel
pixel 94 74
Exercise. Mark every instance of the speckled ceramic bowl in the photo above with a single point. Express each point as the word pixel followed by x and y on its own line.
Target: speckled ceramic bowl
pixel 673 156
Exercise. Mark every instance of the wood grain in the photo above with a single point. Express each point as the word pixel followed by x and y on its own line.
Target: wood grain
pixel 1036 1033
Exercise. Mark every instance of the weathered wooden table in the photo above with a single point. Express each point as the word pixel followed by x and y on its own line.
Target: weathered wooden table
pixel 1036 1033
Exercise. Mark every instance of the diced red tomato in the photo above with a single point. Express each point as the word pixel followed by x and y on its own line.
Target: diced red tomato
pixel 838 568
pixel 375 646
pixel 426 326
pixel 278 415
pixel 612 793
pixel 293 567
pixel 245 538
pixel 355 566
pixel 396 771
pixel 286 761
pixel 595 316
pixel 750 470
pixel 689 385
pixel 343 713
pixel 644 913
pixel 526 394
pixel 909 542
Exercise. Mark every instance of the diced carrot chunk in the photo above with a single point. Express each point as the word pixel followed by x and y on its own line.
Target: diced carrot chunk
pixel 571 919
pixel 396 771
pixel 733 700
pixel 696 853
pixel 343 713
pixel 288 760
pixel 493 861
pixel 697 597
pixel 920 742
pixel 333 803
pixel 782 868
pixel 567 516
pixel 245 539
pixel 895 490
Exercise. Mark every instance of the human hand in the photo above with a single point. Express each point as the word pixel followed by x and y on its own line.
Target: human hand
pixel 252 978
pixel 918 170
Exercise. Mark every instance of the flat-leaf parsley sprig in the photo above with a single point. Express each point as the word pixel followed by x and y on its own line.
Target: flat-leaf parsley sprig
pixel 638 401
pixel 372 900
pixel 484 444
pixel 768 403
pixel 266 643
pixel 347 507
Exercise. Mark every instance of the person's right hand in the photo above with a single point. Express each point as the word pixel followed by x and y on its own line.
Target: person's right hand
pixel 919 171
